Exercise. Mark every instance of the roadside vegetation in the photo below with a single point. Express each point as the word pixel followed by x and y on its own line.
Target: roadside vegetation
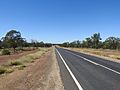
pixel 114 54
pixel 12 44
pixel 22 62
pixel 95 42
pixel 94 45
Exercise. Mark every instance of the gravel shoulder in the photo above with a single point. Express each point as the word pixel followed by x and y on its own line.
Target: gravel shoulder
pixel 54 79
pixel 43 74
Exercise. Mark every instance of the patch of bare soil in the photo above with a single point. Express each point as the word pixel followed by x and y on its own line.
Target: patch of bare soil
pixel 43 74
pixel 6 58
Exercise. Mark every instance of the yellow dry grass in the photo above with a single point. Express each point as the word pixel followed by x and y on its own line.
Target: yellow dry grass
pixel 21 62
pixel 101 52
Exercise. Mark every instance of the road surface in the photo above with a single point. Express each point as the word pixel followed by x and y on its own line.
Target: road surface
pixel 85 72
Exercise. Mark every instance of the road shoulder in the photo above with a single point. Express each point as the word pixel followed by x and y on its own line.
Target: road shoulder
pixel 43 74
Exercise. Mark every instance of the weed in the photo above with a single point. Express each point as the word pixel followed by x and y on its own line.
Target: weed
pixel 9 70
pixel 2 70
pixel 15 63
pixel 21 67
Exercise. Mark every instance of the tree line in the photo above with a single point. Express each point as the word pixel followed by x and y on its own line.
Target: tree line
pixel 14 39
pixel 95 41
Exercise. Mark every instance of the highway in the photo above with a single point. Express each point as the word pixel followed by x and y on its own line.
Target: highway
pixel 85 72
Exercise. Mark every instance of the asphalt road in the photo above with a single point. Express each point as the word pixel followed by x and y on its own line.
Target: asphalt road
pixel 85 72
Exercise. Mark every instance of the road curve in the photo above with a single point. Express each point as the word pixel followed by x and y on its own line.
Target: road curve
pixel 89 72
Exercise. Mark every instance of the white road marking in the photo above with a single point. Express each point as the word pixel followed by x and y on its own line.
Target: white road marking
pixel 95 63
pixel 74 78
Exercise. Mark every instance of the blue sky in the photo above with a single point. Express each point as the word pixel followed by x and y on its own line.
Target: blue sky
pixel 57 21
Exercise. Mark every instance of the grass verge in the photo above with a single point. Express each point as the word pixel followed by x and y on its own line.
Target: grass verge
pixel 115 54
pixel 21 63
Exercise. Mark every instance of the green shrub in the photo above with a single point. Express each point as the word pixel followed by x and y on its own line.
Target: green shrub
pixel 19 49
pixel 2 70
pixel 5 52
pixel 21 67
pixel 15 63
pixel 9 70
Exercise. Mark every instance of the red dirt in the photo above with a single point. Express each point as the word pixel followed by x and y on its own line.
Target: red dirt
pixel 6 58
pixel 43 74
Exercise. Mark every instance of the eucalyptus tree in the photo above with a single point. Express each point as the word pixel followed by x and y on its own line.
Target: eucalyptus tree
pixel 12 39
pixel 88 42
pixel 96 40
pixel 112 43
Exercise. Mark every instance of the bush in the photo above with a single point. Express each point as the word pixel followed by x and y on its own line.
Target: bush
pixel 5 52
pixel 19 49
pixel 2 70
pixel 9 70
pixel 15 63
pixel 21 67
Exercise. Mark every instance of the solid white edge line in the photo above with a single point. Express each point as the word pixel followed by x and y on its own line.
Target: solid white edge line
pixel 96 63
pixel 72 75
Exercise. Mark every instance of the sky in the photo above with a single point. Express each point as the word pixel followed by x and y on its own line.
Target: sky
pixel 58 21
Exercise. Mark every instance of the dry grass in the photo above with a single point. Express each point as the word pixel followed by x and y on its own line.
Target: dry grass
pixel 115 54
pixel 4 70
pixel 20 63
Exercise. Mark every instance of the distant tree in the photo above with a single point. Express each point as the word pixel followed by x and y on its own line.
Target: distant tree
pixel 41 44
pixel 78 43
pixel 47 45
pixel 24 43
pixel 83 44
pixel 118 43
pixel 112 43
pixel 96 40
pixel 34 43
pixel 12 39
pixel 0 44
pixel 89 42
pixel 73 44
pixel 65 44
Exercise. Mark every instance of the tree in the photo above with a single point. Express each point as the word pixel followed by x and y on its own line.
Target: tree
pixel 34 43
pixel 96 40
pixel 73 44
pixel 78 43
pixel 12 39
pixel 112 43
pixel 88 42
pixel 41 44
pixel 83 44
pixel 0 44
pixel 48 45
pixel 65 44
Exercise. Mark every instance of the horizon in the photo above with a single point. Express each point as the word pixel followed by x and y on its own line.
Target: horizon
pixel 60 21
